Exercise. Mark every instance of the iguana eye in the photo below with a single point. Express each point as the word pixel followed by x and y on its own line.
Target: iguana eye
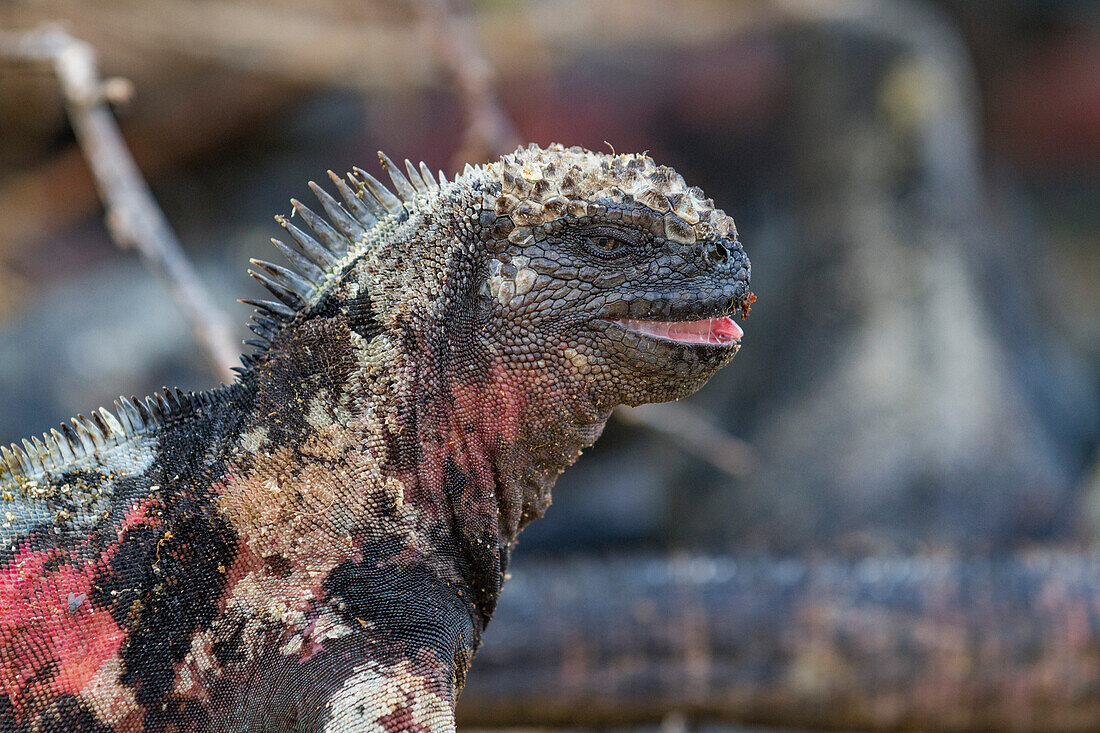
pixel 605 244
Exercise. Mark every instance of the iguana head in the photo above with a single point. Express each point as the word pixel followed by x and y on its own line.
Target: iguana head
pixel 558 271
pixel 608 270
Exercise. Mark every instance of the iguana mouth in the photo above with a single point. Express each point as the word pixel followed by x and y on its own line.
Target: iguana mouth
pixel 719 331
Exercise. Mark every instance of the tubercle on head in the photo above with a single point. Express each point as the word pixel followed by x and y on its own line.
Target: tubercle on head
pixel 534 186
pixel 543 212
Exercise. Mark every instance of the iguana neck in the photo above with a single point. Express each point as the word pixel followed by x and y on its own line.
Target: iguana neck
pixel 451 456
pixel 516 431
pixel 491 440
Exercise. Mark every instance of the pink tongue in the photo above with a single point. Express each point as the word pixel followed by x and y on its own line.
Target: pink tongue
pixel 708 331
pixel 726 329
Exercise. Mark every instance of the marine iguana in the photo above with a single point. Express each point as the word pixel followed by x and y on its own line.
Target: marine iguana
pixel 319 545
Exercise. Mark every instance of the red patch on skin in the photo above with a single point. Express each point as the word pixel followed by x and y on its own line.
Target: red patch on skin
pixel 495 410
pixel 469 426
pixel 495 407
pixel 46 649
pixel 486 419
pixel 52 639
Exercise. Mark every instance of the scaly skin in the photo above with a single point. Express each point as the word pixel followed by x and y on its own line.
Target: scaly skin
pixel 319 546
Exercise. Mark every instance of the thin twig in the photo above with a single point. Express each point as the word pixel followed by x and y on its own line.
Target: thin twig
pixel 158 141
pixel 695 434
pixel 132 215
pixel 490 130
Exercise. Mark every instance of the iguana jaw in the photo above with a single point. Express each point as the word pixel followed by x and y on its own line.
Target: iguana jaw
pixel 704 325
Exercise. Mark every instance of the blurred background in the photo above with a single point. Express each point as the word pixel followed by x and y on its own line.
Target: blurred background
pixel 881 516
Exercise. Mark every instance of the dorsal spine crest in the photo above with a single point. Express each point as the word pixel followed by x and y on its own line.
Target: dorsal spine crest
pixel 86 437
pixel 316 259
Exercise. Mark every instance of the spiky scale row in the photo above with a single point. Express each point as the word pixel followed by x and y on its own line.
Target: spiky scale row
pixel 85 436
pixel 391 205
pixel 354 201
pixel 309 246
pixel 404 188
pixel 287 286
pixel 263 326
pixel 426 174
pixel 305 266
pixel 335 242
pixel 352 230
pixel 271 307
pixel 314 257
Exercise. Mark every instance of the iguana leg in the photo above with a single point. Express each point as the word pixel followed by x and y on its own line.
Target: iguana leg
pixel 386 650
pixel 351 684
pixel 401 697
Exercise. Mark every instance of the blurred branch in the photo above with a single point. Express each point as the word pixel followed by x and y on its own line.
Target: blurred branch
pixel 132 215
pixel 366 47
pixel 489 129
pixel 172 135
pixel 884 644
pixel 690 430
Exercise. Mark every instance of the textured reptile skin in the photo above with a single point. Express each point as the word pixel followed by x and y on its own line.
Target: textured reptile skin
pixel 319 546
